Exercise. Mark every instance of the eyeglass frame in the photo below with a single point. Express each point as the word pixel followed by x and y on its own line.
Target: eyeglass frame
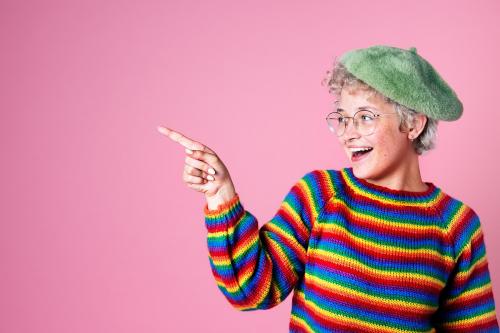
pixel 376 116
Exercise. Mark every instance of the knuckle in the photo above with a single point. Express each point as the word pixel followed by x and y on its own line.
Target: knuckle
pixel 214 158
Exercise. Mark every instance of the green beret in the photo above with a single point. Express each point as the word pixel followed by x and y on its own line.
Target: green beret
pixel 406 78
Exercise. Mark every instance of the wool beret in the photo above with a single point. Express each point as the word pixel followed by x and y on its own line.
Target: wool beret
pixel 406 78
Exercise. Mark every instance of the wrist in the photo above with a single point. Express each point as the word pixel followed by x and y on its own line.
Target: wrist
pixel 222 196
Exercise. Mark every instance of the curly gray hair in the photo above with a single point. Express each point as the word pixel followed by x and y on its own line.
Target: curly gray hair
pixel 339 77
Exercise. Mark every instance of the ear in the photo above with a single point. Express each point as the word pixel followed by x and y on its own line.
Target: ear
pixel 418 126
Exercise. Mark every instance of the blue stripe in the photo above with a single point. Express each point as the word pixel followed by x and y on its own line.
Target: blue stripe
pixel 371 288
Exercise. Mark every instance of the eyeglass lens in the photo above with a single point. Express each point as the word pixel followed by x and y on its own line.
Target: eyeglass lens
pixel 364 122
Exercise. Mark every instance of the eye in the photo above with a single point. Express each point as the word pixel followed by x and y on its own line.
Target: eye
pixel 341 119
pixel 365 116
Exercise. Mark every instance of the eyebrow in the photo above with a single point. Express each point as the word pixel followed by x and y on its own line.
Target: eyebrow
pixel 359 108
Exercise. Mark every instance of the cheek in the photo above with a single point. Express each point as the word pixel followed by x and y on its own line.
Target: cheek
pixel 387 145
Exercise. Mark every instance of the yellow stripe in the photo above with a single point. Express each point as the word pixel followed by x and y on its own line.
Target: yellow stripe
pixel 234 287
pixel 282 255
pixel 456 217
pixel 329 184
pixel 469 293
pixel 356 264
pixel 244 278
pixel 304 186
pixel 218 234
pixel 248 274
pixel 330 188
pixel 231 288
pixel 301 323
pixel 463 322
pixel 240 250
pixel 289 209
pixel 276 229
pixel 221 261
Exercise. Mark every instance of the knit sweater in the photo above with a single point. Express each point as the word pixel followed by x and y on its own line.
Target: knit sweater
pixel 359 257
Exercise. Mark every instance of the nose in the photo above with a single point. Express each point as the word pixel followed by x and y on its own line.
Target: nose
pixel 350 130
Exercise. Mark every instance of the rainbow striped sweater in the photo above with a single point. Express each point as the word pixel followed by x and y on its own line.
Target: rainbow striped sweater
pixel 359 257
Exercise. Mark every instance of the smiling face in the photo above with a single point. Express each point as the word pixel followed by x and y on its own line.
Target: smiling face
pixel 392 151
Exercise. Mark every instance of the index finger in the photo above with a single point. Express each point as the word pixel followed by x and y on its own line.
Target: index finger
pixel 182 139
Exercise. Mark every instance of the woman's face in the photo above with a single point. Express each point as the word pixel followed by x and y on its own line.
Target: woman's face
pixel 391 147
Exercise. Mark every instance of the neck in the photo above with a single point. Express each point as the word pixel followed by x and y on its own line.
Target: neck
pixel 405 177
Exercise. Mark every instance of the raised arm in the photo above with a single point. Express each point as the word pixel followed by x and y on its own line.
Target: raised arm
pixel 257 269
pixel 254 269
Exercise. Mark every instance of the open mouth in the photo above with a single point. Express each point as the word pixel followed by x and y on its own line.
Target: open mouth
pixel 360 153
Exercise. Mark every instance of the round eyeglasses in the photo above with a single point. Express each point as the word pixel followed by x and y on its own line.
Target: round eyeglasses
pixel 364 121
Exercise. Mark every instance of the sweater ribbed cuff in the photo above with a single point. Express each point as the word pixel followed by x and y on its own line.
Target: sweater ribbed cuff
pixel 224 215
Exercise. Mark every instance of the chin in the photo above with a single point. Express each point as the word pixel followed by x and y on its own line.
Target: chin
pixel 360 171
pixel 366 170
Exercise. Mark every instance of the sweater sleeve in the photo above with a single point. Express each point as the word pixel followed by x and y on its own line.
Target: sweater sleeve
pixel 467 303
pixel 257 269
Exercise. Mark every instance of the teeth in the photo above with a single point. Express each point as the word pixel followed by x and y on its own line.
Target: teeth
pixel 358 149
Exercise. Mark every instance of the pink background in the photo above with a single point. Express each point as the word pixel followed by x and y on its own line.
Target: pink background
pixel 98 231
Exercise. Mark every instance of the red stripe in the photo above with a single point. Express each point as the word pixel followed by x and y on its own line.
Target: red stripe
pixel 412 315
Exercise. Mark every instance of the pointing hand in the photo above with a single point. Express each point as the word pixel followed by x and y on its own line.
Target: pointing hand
pixel 203 169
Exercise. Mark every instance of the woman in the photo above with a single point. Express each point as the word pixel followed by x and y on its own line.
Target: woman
pixel 369 248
